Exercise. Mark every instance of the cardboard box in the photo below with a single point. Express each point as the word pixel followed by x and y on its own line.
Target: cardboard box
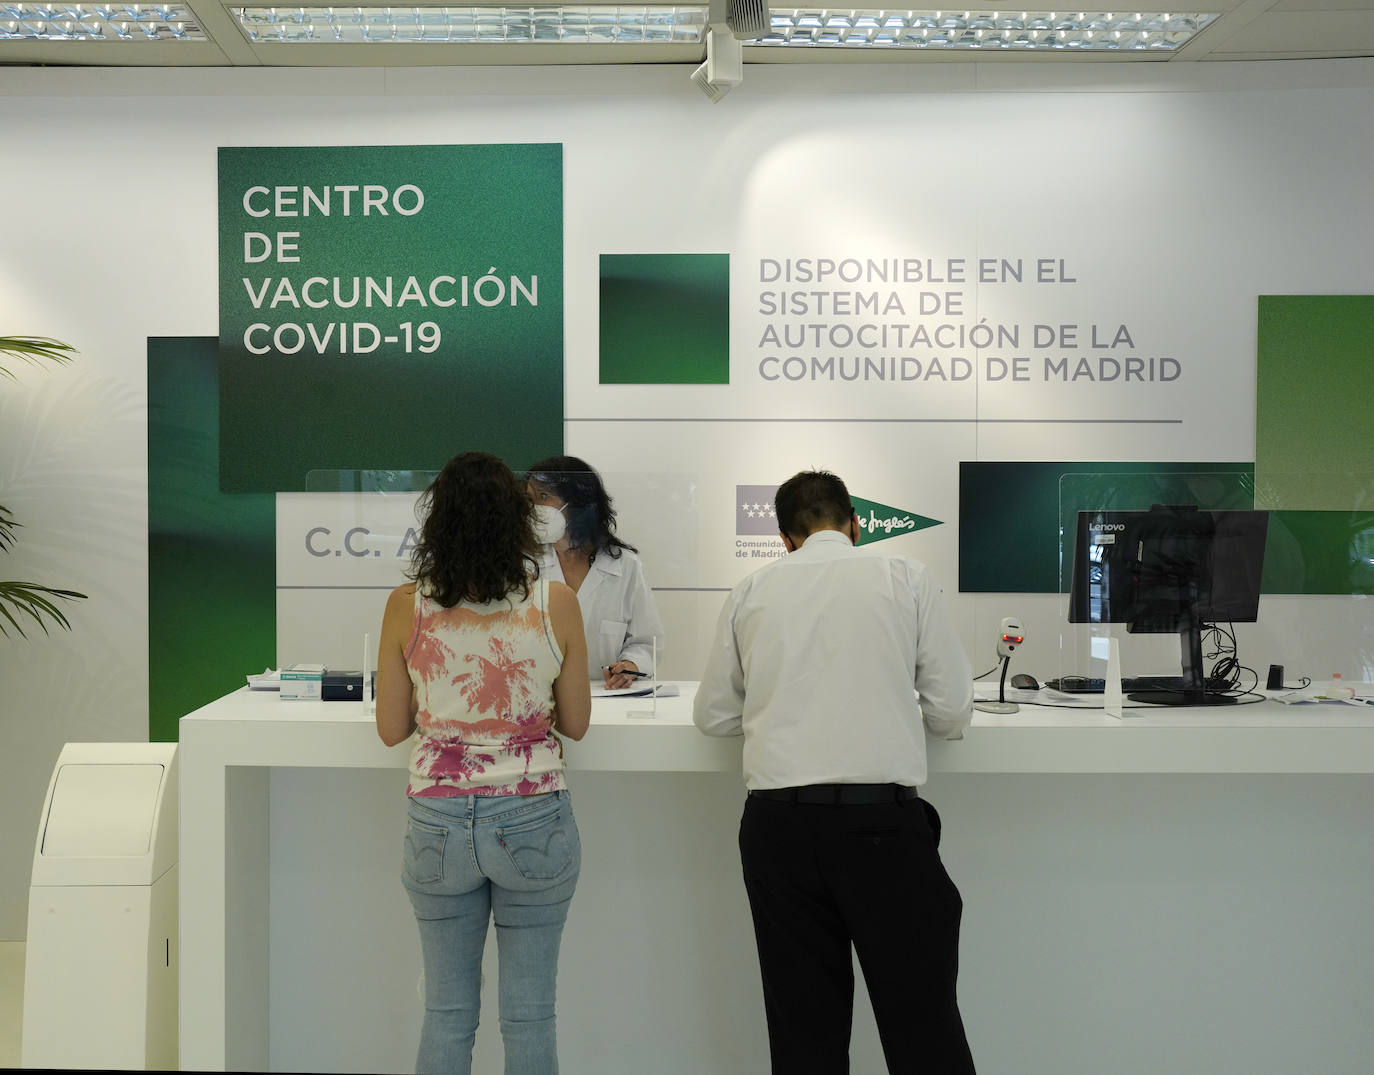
pixel 302 682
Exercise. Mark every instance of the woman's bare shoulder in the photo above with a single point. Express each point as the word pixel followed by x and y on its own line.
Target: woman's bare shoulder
pixel 402 596
pixel 563 600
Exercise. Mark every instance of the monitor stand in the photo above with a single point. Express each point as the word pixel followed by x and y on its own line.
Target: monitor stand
pixel 1194 691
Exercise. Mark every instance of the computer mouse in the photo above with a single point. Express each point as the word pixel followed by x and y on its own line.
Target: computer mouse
pixel 1023 682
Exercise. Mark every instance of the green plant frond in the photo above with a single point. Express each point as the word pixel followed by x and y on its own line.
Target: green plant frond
pixel 35 350
pixel 21 602
pixel 28 599
pixel 8 525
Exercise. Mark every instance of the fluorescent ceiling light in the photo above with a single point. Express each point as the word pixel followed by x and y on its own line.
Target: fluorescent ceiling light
pixel 1021 31
pixel 587 25
pixel 98 22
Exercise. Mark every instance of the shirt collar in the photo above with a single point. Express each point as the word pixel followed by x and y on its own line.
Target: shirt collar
pixel 611 565
pixel 604 562
pixel 827 537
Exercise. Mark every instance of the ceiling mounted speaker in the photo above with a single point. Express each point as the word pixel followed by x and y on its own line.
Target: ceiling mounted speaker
pixel 724 66
pixel 747 19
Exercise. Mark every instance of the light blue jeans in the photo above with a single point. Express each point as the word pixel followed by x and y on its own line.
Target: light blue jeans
pixel 513 859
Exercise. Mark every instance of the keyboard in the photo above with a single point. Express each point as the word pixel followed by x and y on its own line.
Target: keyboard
pixel 1094 685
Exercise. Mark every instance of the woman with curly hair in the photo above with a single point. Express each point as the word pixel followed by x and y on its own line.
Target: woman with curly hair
pixel 485 661
pixel 582 549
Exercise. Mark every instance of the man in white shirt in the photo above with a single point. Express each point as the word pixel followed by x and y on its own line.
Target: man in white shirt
pixel 817 662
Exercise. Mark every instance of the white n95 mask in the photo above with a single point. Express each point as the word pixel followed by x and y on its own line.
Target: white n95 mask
pixel 549 524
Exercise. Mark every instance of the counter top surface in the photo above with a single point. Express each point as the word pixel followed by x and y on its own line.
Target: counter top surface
pixel 1049 735
pixel 1037 711
pixel 250 705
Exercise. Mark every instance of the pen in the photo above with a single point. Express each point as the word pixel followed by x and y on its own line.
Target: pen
pixel 635 675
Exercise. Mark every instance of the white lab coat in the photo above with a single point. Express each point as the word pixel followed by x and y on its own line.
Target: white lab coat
pixel 618 612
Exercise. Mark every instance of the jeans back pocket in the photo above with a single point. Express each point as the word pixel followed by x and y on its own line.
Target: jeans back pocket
pixel 423 861
pixel 543 848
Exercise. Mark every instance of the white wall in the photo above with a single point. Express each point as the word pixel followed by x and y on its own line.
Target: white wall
pixel 1183 192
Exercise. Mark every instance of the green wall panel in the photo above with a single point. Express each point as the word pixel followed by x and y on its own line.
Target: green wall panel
pixel 1314 423
pixel 1010 521
pixel 1009 513
pixel 211 555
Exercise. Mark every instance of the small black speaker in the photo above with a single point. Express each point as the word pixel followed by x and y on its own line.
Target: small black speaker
pixel 1275 678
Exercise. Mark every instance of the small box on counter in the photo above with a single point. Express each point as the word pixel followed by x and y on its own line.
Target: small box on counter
pixel 344 686
pixel 301 682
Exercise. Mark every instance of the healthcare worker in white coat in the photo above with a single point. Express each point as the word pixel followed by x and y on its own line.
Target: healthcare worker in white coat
pixel 577 524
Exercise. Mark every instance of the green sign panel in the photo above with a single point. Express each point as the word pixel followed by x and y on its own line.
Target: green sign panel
pixel 384 307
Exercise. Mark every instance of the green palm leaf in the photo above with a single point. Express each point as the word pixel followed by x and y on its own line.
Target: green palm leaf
pixel 26 599
pixel 34 350
pixel 8 526
pixel 21 602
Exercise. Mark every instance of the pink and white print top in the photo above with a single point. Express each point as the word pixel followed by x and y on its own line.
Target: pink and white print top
pixel 483 676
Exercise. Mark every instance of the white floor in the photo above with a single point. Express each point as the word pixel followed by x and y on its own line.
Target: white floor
pixel 11 1001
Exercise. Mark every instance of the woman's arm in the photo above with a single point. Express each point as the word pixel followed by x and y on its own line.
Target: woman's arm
pixel 572 691
pixel 644 627
pixel 395 693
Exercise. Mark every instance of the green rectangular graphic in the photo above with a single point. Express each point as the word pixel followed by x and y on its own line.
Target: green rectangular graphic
pixel 212 564
pixel 384 307
pixel 1314 425
pixel 665 318
pixel 1011 516
pixel 1319 552
pixel 1009 513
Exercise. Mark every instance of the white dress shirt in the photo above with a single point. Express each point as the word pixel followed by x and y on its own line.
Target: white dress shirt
pixel 619 616
pixel 818 659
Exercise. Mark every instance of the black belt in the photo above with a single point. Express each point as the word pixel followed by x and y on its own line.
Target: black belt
pixel 839 794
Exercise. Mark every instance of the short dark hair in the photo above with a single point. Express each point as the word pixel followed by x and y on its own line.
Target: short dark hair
pixel 477 542
pixel 591 518
pixel 810 501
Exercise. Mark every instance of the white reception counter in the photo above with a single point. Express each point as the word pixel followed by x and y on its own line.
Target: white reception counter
pixel 252 767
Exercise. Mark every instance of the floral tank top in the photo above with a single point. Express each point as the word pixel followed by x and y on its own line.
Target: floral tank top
pixel 483 676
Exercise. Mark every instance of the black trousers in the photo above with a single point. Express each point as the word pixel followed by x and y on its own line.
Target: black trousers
pixel 821 878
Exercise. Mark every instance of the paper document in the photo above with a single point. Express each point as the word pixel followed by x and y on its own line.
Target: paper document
pixel 266 680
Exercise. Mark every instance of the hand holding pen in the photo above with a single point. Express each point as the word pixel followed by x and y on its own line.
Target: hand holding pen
pixel 621 674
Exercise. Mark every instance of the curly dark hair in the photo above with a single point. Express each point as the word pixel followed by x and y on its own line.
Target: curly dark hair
pixel 591 519
pixel 477 542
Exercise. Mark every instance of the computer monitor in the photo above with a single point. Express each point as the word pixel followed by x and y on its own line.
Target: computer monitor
pixel 1169 569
